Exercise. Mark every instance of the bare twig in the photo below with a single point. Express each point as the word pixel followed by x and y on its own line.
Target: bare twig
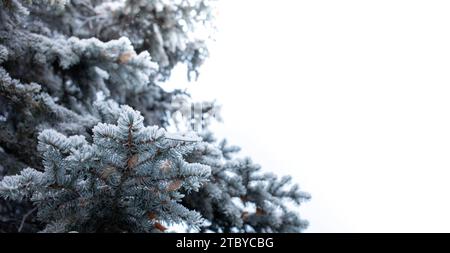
pixel 25 218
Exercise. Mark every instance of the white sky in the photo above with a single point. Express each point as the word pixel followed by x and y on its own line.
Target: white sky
pixel 352 98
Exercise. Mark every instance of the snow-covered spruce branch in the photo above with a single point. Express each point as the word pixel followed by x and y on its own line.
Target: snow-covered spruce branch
pixel 239 197
pixel 130 179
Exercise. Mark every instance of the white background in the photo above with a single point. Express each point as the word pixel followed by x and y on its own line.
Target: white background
pixel 352 98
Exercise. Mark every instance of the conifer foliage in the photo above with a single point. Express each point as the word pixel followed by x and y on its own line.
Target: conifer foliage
pixel 83 119
pixel 241 198
pixel 129 179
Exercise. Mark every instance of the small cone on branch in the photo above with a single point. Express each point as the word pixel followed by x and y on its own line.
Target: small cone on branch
pixel 174 185
pixel 166 166
pixel 125 57
pixel 133 161
pixel 260 211
pixel 151 215
pixel 160 227
pixel 244 216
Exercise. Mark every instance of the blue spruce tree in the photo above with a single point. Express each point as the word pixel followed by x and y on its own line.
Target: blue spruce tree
pixel 83 145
